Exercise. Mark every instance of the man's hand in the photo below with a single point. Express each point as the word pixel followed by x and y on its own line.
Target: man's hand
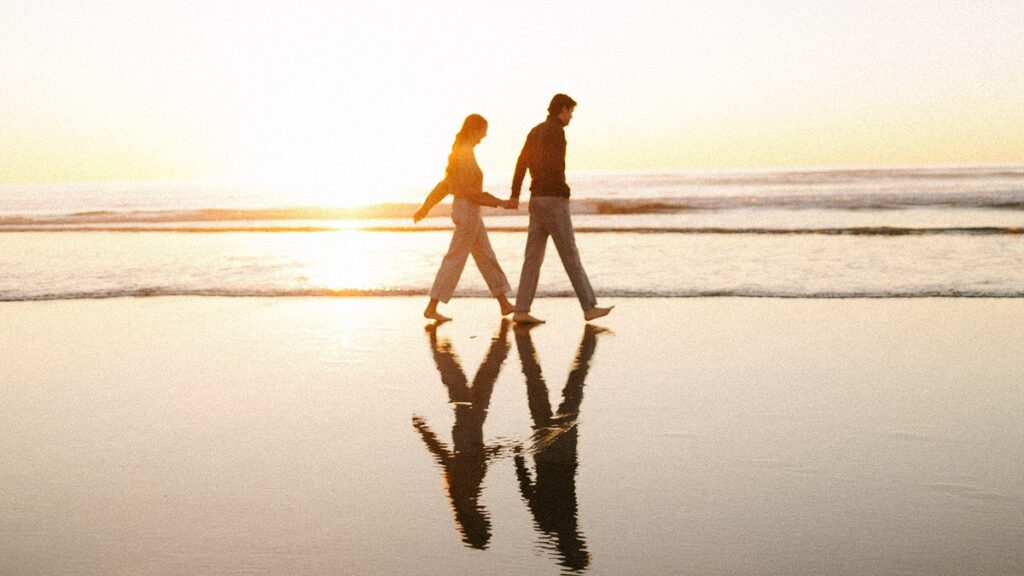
pixel 512 204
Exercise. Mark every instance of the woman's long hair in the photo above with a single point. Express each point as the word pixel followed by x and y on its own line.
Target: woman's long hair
pixel 473 127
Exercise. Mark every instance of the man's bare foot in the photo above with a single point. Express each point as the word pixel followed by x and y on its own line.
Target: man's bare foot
pixel 525 318
pixel 507 308
pixel 435 316
pixel 595 313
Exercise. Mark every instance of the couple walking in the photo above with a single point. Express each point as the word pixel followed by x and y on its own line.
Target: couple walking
pixel 544 156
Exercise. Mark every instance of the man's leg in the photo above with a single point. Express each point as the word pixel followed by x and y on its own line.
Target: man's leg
pixel 536 242
pixel 565 242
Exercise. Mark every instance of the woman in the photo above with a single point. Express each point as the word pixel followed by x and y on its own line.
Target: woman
pixel 464 180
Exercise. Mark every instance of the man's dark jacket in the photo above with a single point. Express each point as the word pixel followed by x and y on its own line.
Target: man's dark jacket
pixel 544 155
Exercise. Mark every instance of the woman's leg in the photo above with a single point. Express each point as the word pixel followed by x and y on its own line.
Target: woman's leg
pixel 453 263
pixel 487 262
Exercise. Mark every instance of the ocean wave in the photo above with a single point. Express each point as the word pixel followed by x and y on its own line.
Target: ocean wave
pixel 312 292
pixel 823 176
pixel 844 231
pixel 178 229
pixel 775 231
pixel 1003 199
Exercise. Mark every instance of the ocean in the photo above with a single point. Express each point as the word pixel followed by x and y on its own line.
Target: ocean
pixel 813 233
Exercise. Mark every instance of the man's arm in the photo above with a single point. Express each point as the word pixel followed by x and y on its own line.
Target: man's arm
pixel 525 161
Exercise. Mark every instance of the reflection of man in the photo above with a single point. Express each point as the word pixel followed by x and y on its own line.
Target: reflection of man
pixel 465 464
pixel 544 156
pixel 551 494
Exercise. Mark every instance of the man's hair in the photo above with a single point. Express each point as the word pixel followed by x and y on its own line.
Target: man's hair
pixel 560 101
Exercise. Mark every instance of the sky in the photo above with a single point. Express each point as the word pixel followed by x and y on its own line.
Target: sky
pixel 324 93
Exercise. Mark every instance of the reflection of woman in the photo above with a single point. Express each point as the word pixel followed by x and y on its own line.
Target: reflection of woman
pixel 464 463
pixel 464 181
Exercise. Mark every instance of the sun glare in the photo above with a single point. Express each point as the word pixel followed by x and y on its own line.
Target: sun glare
pixel 341 104
pixel 320 160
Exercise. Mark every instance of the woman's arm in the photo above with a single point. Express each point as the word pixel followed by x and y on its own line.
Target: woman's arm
pixel 435 196
pixel 485 199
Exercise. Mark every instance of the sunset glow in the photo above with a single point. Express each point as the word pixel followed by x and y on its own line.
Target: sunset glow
pixel 341 101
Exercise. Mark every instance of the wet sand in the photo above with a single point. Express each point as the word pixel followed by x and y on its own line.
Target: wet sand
pixel 189 436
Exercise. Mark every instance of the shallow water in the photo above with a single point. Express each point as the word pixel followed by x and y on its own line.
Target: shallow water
pixel 325 436
pixel 853 232
pixel 67 265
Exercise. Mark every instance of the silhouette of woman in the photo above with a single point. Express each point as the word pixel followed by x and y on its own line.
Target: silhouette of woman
pixel 464 180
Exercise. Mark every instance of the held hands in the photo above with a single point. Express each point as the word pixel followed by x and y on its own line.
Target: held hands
pixel 512 203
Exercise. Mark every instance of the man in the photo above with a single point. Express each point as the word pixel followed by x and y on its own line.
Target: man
pixel 544 156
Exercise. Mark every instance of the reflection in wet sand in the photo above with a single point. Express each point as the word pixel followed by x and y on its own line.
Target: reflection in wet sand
pixel 549 489
pixel 465 463
pixel 551 492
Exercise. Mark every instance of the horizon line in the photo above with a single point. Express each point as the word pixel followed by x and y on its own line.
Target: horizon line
pixel 503 174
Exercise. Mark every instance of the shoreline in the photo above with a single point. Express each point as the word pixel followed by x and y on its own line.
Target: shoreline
pixel 327 294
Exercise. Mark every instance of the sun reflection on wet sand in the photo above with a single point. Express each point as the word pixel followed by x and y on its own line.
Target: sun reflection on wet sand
pixel 334 435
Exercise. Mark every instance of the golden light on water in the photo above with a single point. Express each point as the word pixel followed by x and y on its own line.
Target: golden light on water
pixel 341 260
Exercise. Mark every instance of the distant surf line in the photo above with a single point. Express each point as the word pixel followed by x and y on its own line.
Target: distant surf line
pixel 156 292
pixel 1010 200
pixel 720 230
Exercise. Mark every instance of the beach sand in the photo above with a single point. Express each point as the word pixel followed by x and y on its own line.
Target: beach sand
pixel 194 436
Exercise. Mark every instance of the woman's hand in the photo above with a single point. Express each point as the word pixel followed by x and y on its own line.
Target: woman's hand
pixel 512 204
pixel 419 215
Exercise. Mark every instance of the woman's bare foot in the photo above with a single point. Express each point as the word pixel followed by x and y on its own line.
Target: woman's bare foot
pixel 432 313
pixel 435 315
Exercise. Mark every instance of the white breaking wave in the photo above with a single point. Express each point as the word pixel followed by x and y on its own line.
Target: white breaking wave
pixel 155 292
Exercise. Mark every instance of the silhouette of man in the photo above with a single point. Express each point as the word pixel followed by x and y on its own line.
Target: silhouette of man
pixel 551 496
pixel 544 156
pixel 465 464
